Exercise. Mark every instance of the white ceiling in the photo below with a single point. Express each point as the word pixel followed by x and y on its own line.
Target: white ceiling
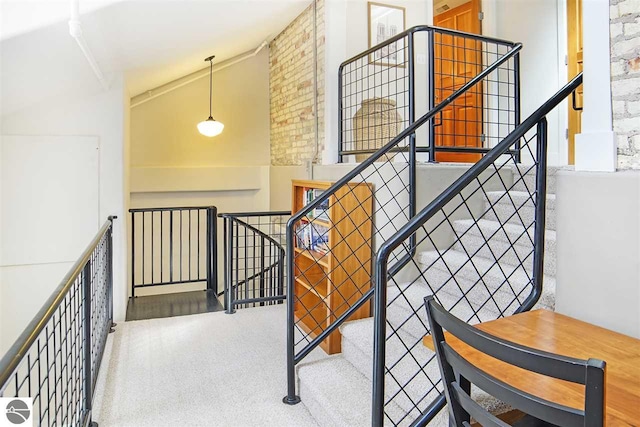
pixel 151 42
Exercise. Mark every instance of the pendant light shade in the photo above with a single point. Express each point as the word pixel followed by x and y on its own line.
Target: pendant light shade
pixel 210 127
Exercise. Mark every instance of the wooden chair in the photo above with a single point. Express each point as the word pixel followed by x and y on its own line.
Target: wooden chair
pixel 458 375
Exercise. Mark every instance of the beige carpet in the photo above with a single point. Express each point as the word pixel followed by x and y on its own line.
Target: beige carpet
pixel 209 369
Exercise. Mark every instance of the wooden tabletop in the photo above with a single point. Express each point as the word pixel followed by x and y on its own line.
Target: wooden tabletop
pixel 556 333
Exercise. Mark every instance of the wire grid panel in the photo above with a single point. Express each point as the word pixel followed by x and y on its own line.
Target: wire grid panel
pixel 101 294
pixel 487 112
pixel 52 371
pixel 475 255
pixel 334 244
pixel 169 246
pixel 257 258
pixel 374 99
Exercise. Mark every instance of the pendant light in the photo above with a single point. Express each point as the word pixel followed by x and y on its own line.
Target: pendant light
pixel 210 127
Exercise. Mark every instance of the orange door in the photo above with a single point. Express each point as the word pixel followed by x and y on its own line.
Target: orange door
pixel 574 63
pixel 457 60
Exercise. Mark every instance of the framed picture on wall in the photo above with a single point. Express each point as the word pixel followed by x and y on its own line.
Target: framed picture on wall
pixel 386 21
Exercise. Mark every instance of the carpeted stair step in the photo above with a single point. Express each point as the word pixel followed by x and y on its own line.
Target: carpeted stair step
pixel 528 182
pixel 505 204
pixel 337 394
pixel 405 308
pixel 509 244
pixel 403 353
pixel 485 283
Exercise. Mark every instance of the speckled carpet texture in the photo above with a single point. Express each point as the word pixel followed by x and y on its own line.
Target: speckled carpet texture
pixel 210 369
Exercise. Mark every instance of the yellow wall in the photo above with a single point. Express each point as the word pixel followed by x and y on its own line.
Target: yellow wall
pixel 163 130
pixel 173 165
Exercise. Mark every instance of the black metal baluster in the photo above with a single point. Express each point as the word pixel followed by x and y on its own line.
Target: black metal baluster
pixel 143 245
pixel 189 242
pixel 133 255
pixel 171 237
pixel 181 234
pixel 161 246
pixel 152 247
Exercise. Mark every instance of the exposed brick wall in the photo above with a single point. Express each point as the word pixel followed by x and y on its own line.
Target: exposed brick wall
pixel 291 64
pixel 625 79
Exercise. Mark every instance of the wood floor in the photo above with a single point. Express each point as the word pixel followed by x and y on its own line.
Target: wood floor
pixel 170 305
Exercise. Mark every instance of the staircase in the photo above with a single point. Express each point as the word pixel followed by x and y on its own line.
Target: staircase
pixel 337 389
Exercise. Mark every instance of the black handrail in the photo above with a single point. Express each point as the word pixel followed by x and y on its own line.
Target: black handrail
pixel 409 35
pixel 77 317
pixel 12 358
pixel 292 359
pixel 414 224
pixel 421 28
pixel 401 136
pixel 538 118
pixel 262 213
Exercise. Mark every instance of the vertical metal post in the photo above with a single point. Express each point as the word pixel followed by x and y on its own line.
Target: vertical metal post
pixel 228 269
pixel 431 96
pixel 290 398
pixel 225 260
pixel 208 263
pixel 86 324
pixel 171 246
pixel 133 254
pixel 281 273
pixel 262 241
pixel 540 216
pixel 379 338
pixel 541 204
pixel 340 106
pixel 516 71
pixel 110 273
pixel 214 248
pixel 412 137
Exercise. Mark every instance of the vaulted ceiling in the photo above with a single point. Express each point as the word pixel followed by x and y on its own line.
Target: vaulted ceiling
pixel 151 42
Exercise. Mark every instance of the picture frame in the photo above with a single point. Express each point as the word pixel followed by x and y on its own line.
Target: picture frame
pixel 385 21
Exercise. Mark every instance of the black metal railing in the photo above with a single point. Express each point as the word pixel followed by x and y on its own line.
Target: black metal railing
pixel 382 90
pixel 172 246
pixel 483 240
pixel 56 360
pixel 254 259
pixel 362 220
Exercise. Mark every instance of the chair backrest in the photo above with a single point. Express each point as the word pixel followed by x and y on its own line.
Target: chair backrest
pixel 458 375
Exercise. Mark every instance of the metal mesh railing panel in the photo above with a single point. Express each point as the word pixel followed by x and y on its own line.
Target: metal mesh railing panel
pixel 379 99
pixel 475 255
pixel 53 370
pixel 172 246
pixel 254 259
pixel 332 250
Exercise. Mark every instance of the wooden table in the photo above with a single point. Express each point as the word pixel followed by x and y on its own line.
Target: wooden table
pixel 556 333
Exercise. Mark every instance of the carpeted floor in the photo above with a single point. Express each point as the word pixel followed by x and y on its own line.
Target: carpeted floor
pixel 210 369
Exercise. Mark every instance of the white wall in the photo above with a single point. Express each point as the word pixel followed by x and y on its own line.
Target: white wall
pixel 598 229
pixel 49 187
pixel 346 32
pixel 101 115
pixel 24 289
pixel 540 25
pixel 50 203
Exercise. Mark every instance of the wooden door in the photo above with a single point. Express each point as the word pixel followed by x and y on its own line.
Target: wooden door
pixel 574 64
pixel 457 60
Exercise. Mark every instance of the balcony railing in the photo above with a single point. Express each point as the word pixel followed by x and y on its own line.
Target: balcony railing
pixel 56 360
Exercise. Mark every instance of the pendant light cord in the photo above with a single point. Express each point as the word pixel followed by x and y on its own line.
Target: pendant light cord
pixel 210 85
